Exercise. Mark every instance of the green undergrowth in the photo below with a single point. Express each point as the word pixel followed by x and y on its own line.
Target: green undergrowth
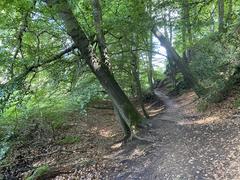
pixel 237 103
pixel 215 63
pixel 44 114
pixel 214 60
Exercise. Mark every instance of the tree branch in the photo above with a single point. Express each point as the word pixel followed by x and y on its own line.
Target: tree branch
pixel 8 89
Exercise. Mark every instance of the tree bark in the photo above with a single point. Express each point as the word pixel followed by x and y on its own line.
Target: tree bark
pixel 128 112
pixel 229 15
pixel 186 24
pixel 220 15
pixel 150 65
pixel 125 128
pixel 150 53
pixel 97 16
pixel 212 26
pixel 183 67
pixel 170 26
pixel 135 72
pixel 172 67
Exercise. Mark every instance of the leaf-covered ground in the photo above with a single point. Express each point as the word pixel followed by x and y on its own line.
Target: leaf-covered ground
pixel 181 144
pixel 77 150
pixel 189 145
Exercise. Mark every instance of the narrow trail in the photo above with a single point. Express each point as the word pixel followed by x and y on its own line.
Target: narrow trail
pixel 185 151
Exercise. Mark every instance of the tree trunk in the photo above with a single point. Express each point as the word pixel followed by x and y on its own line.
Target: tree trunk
pixel 170 27
pixel 135 72
pixel 127 111
pixel 150 65
pixel 183 67
pixel 123 124
pixel 184 42
pixel 229 15
pixel 220 15
pixel 186 24
pixel 168 35
pixel 212 26
pixel 150 54
pixel 97 16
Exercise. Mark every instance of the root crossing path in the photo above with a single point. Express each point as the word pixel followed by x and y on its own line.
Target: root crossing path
pixel 183 149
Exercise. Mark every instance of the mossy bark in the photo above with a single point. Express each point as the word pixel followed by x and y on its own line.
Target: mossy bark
pixel 126 129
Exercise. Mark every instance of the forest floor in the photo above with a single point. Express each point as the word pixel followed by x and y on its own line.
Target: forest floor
pixel 188 144
pixel 76 150
pixel 182 144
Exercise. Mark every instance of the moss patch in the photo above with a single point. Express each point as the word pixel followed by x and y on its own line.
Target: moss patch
pixel 40 171
pixel 69 140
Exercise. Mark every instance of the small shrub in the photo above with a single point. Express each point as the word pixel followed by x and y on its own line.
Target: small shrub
pixel 202 105
pixel 237 103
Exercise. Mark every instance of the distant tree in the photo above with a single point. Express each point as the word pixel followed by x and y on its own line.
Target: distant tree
pixel 221 22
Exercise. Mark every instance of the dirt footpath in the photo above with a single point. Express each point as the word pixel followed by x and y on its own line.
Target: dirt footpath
pixel 186 145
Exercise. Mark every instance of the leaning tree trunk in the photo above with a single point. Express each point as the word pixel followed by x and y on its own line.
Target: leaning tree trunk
pixel 183 67
pixel 128 112
pixel 97 16
pixel 172 67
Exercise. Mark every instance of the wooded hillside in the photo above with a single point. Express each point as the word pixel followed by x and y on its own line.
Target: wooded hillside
pixel 81 76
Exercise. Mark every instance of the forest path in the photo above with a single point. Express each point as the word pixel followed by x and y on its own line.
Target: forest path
pixel 185 147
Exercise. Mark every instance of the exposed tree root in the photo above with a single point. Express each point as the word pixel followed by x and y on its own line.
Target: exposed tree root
pixel 132 137
pixel 145 124
pixel 135 137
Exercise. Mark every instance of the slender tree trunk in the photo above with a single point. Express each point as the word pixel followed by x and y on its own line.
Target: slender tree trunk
pixel 183 27
pixel 170 27
pixel 97 16
pixel 186 24
pixel 220 15
pixel 189 78
pixel 125 108
pixel 165 25
pixel 150 54
pixel 229 15
pixel 150 65
pixel 135 72
pixel 212 26
pixel 172 68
